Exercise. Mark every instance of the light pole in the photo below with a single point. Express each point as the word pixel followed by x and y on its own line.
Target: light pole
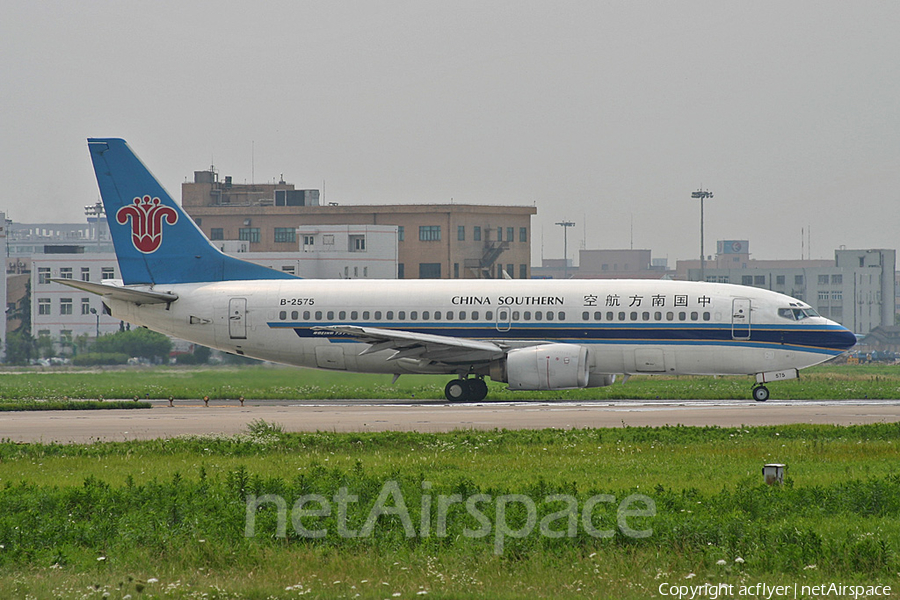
pixel 703 195
pixel 96 314
pixel 565 225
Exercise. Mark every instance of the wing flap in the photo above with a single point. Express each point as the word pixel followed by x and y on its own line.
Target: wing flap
pixel 410 344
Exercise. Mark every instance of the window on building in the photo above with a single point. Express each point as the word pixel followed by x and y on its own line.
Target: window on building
pixel 510 271
pixel 499 234
pixel 43 306
pixel 400 271
pixel 747 280
pixel 289 269
pixel 217 233
pixel 43 274
pixel 509 234
pixel 65 306
pixel 429 270
pixel 779 280
pixel 823 279
pixel 476 233
pixel 429 233
pixel 107 273
pixel 798 279
pixel 461 233
pixel 401 233
pixel 837 296
pixel 249 234
pixel 309 243
pixel 85 306
pixel 523 271
pixel 455 270
pixel 65 272
pixel 823 296
pixel 357 243
pixel 759 280
pixel 523 234
pixel 85 273
pixel 65 336
pixel 837 279
pixel 285 235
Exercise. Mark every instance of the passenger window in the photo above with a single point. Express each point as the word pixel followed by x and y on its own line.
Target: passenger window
pixel 283 315
pixel 598 316
pixel 489 315
pixel 561 316
pixel 306 315
pixel 585 316
pixel 504 315
pixel 538 315
pixel 449 315
pixel 622 315
pixel 425 315
pixel 342 315
pixel 389 315
pixel 527 315
pixel 414 315
pixel 634 316
pixel 331 315
pixel 657 316
pixel 462 315
pixel 645 316
pixel 437 315
pixel 365 315
pixel 474 315
pixel 515 315
pixel 670 316
pixel 401 315
pixel 354 315
pixel 295 315
pixel 694 316
pixel 318 315
pixel 549 315
pixel 377 315
pixel 609 316
pixel 682 316
pixel 706 316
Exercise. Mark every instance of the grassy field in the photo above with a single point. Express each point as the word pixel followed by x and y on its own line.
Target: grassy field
pixel 832 382
pixel 169 518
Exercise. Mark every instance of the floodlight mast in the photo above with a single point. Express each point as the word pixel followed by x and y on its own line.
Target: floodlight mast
pixel 702 195
pixel 565 225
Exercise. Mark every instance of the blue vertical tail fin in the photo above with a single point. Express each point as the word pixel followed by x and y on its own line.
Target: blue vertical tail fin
pixel 156 242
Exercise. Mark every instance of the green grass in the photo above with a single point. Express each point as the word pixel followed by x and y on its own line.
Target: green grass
pixel 175 510
pixel 65 404
pixel 827 382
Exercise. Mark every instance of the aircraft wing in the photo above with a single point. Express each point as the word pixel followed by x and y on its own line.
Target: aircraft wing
pixel 423 346
pixel 119 292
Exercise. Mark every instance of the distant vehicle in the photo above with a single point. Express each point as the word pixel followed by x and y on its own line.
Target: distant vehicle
pixel 533 335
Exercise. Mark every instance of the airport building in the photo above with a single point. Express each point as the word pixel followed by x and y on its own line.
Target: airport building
pixel 856 289
pixel 606 264
pixel 434 241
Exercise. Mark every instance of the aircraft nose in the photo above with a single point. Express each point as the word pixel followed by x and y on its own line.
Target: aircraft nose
pixel 843 339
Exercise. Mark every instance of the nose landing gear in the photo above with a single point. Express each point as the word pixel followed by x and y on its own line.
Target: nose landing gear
pixel 760 393
pixel 466 390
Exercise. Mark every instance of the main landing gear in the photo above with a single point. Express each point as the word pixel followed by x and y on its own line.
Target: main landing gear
pixel 466 390
pixel 760 393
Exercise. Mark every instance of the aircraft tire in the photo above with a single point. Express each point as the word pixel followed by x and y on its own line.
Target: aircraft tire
pixel 457 390
pixel 478 389
pixel 760 393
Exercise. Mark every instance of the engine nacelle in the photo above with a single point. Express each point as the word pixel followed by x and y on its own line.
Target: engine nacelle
pixel 548 367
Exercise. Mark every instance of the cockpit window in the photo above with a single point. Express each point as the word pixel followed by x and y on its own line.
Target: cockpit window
pixel 797 314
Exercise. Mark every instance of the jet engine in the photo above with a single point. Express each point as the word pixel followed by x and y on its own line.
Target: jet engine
pixel 548 367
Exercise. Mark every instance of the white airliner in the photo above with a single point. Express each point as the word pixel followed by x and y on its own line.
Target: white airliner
pixel 530 334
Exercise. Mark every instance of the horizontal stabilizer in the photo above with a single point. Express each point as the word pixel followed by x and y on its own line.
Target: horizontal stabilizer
pixel 120 293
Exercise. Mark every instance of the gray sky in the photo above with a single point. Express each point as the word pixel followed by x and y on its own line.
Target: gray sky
pixel 789 112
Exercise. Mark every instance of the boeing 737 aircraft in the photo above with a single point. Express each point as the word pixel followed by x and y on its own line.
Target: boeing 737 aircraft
pixel 530 334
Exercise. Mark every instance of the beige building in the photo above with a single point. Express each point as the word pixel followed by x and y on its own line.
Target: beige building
pixel 458 241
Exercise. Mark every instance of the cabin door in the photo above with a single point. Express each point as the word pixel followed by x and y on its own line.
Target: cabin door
pixel 237 318
pixel 740 319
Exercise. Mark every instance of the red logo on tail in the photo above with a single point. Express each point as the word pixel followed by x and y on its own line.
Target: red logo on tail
pixel 146 216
